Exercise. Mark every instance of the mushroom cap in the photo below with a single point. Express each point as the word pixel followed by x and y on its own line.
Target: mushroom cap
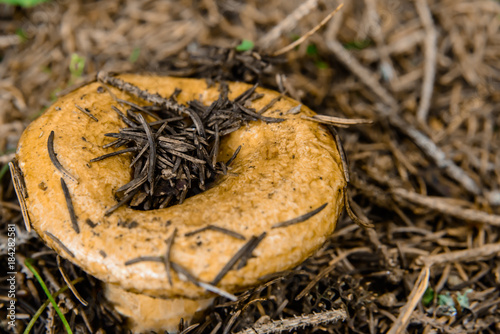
pixel 284 170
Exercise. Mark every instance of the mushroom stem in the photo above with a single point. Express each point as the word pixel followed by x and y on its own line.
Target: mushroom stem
pixel 145 313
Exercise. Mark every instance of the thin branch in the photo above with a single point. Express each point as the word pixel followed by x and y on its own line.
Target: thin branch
pixel 363 74
pixel 441 205
pixel 430 52
pixel 399 326
pixel 473 254
pixel 434 152
pixel 287 24
pixel 308 34
pixel 290 324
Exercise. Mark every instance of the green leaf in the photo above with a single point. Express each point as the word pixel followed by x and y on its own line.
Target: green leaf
pixel 46 70
pixel 446 300
pixel 358 45
pixel 134 55
pixel 76 65
pixel 3 171
pixel 28 264
pixel 462 299
pixel 53 96
pixel 21 34
pixel 23 3
pixel 245 45
pixel 312 50
pixel 322 65
pixel 428 296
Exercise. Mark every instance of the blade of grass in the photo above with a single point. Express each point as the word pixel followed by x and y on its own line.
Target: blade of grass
pixel 245 45
pixel 23 3
pixel 3 171
pixel 46 303
pixel 28 264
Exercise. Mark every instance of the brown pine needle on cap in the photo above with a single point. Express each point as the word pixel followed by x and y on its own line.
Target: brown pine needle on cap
pixel 217 229
pixel 59 243
pixel 337 121
pixel 301 218
pixel 170 242
pixel 21 192
pixel 71 209
pixel 86 112
pixel 55 161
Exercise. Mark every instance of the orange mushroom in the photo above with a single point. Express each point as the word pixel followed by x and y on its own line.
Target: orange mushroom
pixel 281 200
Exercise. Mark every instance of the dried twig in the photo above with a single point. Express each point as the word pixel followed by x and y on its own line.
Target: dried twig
pixel 441 205
pixel 434 152
pixel 290 324
pixel 399 326
pixel 287 24
pixel 307 34
pixel 363 74
pixel 474 254
pixel 430 51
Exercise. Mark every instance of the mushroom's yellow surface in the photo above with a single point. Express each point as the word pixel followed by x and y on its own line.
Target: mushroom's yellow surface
pixel 284 170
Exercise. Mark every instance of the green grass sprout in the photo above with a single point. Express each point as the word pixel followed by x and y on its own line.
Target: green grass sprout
pixel 428 296
pixel 134 56
pixel 46 303
pixel 312 50
pixel 3 171
pixel 245 45
pixel 28 264
pixel 76 65
pixel 322 65
pixel 21 34
pixel 23 3
pixel 358 45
